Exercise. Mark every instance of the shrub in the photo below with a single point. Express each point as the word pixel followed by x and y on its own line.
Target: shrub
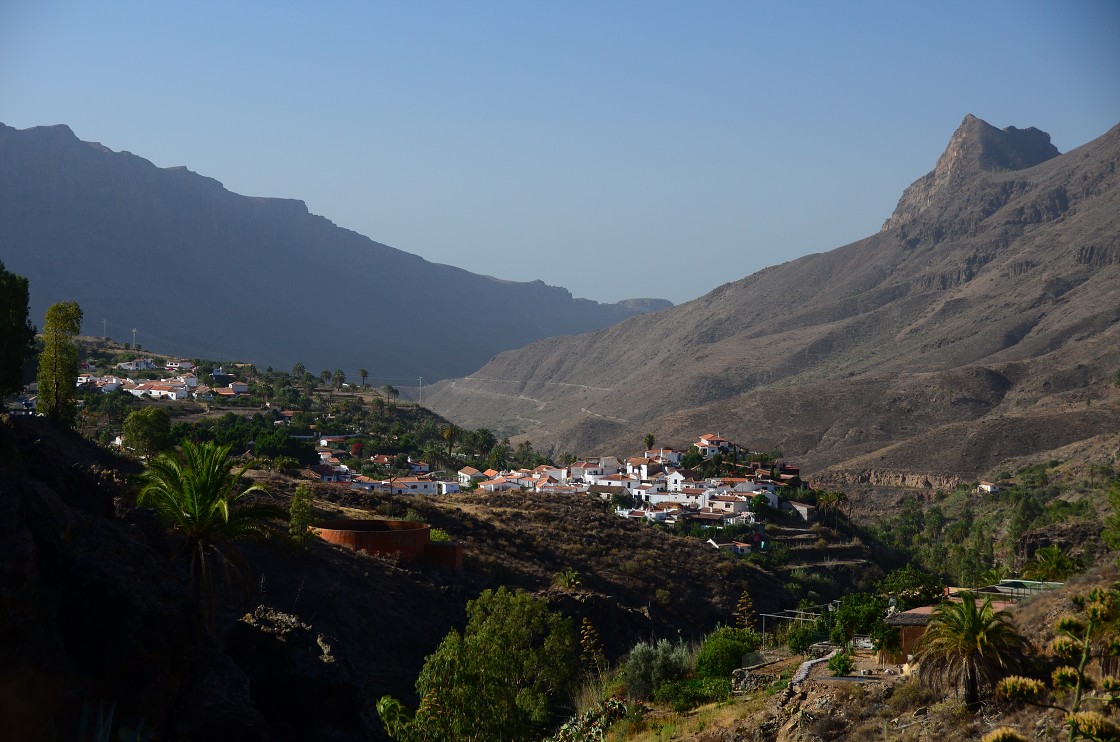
pixel 800 638
pixel 650 665
pixel 299 514
pixel 683 695
pixel 566 578
pixel 723 650
pixel 841 664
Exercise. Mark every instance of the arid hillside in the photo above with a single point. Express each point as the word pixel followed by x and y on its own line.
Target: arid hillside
pixel 981 324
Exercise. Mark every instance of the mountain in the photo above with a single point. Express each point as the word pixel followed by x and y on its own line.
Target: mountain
pixel 202 271
pixel 981 324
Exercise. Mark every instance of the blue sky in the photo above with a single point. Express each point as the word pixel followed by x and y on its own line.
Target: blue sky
pixel 618 149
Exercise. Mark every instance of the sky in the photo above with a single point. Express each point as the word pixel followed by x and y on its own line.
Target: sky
pixel 618 149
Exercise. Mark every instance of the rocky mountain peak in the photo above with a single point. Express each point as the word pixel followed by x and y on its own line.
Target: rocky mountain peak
pixel 976 146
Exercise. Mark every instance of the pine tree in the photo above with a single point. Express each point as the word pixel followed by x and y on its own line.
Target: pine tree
pixel 58 363
pixel 299 514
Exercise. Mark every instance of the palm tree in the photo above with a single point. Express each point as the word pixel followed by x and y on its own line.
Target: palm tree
pixel 363 375
pixel 201 500
pixel 826 502
pixel 298 370
pixel 1050 564
pixel 968 647
pixel 450 433
pixel 647 441
pixel 339 378
pixel 840 499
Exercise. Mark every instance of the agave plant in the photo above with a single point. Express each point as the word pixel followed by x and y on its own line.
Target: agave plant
pixel 200 498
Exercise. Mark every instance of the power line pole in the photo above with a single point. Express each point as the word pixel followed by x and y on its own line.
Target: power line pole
pixel 133 337
pixel 104 329
pixel 421 391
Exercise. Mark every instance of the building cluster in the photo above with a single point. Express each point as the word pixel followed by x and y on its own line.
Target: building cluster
pixel 184 385
pixel 652 486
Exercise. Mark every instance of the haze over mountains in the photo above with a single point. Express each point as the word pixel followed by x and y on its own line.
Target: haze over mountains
pixel 980 325
pixel 202 271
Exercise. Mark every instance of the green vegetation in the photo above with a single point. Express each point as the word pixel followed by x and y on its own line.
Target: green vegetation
pixel 17 335
pixel 1050 564
pixel 147 430
pixel 299 515
pixel 651 665
pixel 723 651
pixel 970 538
pixel 566 578
pixel 199 498
pixel 968 646
pixel 841 664
pixel 499 679
pixel 1091 636
pixel 58 363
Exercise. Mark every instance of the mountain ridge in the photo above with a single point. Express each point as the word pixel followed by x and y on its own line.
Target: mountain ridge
pixel 1010 271
pixel 263 278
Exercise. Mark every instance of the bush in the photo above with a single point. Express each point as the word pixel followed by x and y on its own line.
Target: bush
pixel 841 664
pixel 300 514
pixel 723 650
pixel 683 695
pixel 650 665
pixel 801 638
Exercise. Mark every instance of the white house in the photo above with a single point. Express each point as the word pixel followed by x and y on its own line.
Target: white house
pixel 188 379
pixel 157 390
pixel 178 364
pixel 469 474
pixel 616 480
pixel 500 484
pixel 412 486
pixel 139 364
pixel 584 470
pixel 664 456
pixel 806 511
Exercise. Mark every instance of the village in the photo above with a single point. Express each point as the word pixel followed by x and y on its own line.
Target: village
pixel 652 487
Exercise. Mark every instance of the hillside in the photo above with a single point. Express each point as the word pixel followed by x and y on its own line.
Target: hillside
pixel 201 271
pixel 981 324
pixel 95 610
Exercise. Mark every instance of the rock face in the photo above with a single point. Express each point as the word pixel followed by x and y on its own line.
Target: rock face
pixel 205 272
pixel 981 324
pixel 976 146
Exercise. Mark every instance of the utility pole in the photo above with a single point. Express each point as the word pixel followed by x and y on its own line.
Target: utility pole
pixel 104 329
pixel 133 337
pixel 421 391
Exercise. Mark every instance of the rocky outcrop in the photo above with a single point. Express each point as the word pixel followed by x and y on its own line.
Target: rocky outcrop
pixel 975 147
pixel 881 478
pixel 1079 539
